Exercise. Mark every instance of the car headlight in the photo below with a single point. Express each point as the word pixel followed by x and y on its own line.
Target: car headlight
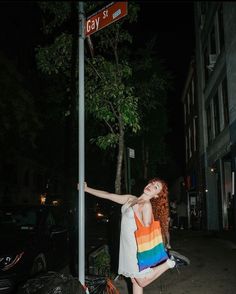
pixel 8 261
pixel 99 214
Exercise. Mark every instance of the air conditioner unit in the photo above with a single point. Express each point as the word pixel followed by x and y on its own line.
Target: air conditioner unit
pixel 212 61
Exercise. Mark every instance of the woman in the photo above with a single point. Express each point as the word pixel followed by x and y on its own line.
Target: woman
pixel 142 207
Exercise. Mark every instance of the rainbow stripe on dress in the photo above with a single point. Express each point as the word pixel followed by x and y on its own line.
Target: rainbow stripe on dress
pixel 150 247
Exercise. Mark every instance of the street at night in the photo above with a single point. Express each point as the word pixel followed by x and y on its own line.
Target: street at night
pixel 117 147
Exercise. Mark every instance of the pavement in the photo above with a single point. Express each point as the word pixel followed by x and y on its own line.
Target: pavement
pixel 212 269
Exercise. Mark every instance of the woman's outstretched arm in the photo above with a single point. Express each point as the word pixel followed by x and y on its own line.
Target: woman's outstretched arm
pixel 121 199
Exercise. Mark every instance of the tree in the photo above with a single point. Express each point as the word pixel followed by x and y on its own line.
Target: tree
pixel 119 109
pixel 110 99
pixel 126 98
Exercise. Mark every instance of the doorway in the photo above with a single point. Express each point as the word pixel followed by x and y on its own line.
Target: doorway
pixel 227 196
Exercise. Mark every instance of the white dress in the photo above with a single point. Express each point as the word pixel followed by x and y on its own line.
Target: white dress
pixel 128 263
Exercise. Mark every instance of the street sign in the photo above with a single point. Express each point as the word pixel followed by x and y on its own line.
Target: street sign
pixel 105 16
pixel 131 152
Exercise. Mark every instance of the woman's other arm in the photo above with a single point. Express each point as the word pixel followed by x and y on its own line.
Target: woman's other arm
pixel 146 210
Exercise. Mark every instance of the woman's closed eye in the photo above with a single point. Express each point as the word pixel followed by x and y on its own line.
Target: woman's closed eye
pixel 157 186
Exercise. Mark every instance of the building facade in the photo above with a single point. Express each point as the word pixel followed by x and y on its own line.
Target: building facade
pixel 215 88
pixel 194 173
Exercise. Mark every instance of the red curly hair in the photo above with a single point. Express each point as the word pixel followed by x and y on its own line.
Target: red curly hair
pixel 160 207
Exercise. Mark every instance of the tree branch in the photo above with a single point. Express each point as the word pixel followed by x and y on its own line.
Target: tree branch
pixel 109 126
pixel 112 108
pixel 95 69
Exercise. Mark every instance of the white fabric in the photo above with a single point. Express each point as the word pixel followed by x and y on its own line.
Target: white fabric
pixel 128 263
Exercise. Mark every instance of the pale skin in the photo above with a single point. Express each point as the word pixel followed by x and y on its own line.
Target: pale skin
pixel 168 246
pixel 143 209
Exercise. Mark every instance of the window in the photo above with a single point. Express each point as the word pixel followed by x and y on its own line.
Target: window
pixel 190 142
pixel 192 139
pixel 213 41
pixel 203 7
pixel 221 27
pixel 194 134
pixel 203 10
pixel 212 50
pixel 216 114
pixel 186 148
pixel 188 99
pixel 193 92
pixel 225 101
pixel 185 113
pixel 209 126
pixel 206 70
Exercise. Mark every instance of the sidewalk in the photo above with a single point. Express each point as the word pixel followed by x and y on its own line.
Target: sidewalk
pixel 212 269
pixel 225 235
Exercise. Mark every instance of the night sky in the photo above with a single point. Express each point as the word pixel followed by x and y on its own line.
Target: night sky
pixel 171 22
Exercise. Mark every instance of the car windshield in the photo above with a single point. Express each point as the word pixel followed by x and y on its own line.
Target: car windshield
pixel 24 218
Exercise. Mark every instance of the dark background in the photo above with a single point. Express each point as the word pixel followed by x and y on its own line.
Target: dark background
pixel 171 22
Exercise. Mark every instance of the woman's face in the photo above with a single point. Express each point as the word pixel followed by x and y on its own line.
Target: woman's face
pixel 153 189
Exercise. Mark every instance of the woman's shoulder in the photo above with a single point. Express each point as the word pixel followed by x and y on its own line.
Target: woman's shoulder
pixel 132 199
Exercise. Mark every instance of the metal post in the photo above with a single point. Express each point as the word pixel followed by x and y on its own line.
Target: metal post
pixel 81 216
pixel 126 169
pixel 129 171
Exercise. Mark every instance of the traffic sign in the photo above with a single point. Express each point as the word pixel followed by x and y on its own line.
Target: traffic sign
pixel 105 16
pixel 131 152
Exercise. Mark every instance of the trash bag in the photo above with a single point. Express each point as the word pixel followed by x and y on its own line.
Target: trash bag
pixel 52 283
pixel 100 285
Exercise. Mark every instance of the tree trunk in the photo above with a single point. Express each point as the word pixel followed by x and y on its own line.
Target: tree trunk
pixel 119 159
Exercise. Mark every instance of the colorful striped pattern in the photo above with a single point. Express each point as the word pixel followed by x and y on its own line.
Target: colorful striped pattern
pixel 150 248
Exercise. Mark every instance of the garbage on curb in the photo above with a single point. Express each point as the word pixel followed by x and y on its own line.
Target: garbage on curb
pixel 52 283
pixel 56 283
pixel 100 285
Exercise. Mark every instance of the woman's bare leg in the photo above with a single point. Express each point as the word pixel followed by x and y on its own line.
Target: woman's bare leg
pixel 167 234
pixel 136 288
pixel 155 273
pixel 168 246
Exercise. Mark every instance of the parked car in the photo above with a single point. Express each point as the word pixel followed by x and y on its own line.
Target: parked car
pixel 101 213
pixel 33 239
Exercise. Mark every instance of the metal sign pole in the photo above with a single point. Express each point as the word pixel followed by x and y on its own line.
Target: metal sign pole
pixel 104 17
pixel 129 171
pixel 81 217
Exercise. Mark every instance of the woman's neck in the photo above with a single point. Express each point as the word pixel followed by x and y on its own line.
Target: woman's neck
pixel 144 197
